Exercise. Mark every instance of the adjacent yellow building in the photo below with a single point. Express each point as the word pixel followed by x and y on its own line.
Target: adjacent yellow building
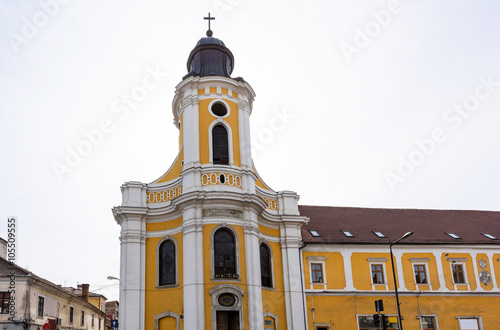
pixel 208 245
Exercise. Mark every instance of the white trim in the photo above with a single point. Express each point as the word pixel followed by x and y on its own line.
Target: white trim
pixel 167 314
pixel 466 278
pixel 236 253
pixel 220 121
pixel 271 261
pixel 176 246
pixel 323 270
pixel 426 268
pixel 384 274
pixel 478 318
pixel 315 258
pixel 274 317
pixel 216 291
pixel 434 316
pixel 219 100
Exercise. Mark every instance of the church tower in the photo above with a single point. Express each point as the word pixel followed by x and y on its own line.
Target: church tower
pixel 208 245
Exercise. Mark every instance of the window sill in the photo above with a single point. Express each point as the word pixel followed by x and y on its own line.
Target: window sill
pixel 168 286
pixel 268 288
pixel 213 279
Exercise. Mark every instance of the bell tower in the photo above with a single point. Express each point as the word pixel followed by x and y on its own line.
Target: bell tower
pixel 208 245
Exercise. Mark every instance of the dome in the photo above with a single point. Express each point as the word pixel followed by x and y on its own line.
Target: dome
pixel 210 57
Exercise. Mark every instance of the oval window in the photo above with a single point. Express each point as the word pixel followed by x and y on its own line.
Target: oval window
pixel 219 109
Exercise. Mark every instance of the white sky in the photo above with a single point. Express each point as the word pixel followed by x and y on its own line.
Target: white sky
pixel 353 121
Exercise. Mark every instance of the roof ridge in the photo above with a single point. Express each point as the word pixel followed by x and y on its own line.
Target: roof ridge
pixel 398 208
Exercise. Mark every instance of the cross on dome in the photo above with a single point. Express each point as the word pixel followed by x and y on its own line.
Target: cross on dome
pixel 209 32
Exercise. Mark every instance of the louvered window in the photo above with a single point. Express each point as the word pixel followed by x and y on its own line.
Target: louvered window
pixel 220 150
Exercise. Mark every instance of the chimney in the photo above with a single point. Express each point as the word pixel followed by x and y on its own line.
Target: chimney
pixel 85 291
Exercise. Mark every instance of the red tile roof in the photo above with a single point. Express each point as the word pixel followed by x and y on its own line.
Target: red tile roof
pixel 429 226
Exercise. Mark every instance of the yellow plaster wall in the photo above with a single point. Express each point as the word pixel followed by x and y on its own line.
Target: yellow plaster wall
pixel 273 300
pixel 207 264
pixel 176 169
pixel 206 119
pixel 409 275
pixel 448 276
pixel 361 272
pixel 155 226
pixel 333 272
pixel 488 269
pixel 157 301
pixel 269 231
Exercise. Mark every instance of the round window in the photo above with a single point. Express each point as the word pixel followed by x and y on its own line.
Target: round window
pixel 219 109
pixel 227 300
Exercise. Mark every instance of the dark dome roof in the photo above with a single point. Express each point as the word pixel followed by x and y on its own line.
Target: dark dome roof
pixel 210 57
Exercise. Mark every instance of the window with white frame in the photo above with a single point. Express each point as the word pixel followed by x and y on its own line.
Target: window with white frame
pixel 377 273
pixel 317 276
pixel 420 271
pixel 458 271
pixel 470 322
pixel 366 322
pixel 428 322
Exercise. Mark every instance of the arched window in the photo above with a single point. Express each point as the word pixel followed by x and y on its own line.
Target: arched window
pixel 166 263
pixel 220 150
pixel 265 266
pixel 224 254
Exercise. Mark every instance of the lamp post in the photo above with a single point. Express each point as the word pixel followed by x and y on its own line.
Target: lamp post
pixel 408 234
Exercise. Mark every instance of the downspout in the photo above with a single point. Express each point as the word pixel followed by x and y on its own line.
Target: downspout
pixel 302 284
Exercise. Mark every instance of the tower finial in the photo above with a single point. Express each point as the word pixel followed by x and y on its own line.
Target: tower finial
pixel 209 32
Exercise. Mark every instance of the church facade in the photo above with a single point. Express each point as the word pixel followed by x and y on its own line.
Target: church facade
pixel 208 245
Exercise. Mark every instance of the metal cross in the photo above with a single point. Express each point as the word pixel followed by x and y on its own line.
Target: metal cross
pixel 209 19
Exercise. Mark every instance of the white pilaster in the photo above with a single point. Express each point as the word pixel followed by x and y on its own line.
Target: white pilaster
pixel 399 269
pixel 349 283
pixel 294 299
pixel 439 264
pixel 252 256
pixel 194 311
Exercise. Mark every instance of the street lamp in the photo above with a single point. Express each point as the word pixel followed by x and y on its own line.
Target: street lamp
pixel 113 278
pixel 408 234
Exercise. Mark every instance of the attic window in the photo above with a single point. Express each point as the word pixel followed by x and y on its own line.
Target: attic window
pixel 453 235
pixel 314 233
pixel 347 233
pixel 489 236
pixel 379 234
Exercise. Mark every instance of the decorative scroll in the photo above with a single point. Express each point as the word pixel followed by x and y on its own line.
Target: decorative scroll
pixel 221 178
pixel 164 195
pixel 272 203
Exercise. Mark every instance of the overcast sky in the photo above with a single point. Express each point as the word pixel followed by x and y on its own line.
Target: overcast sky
pixel 389 104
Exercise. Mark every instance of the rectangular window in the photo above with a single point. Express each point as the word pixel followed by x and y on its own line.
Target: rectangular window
pixel 317 273
pixel 71 313
pixel 428 322
pixel 4 302
pixel 377 274
pixel 458 273
pixel 469 324
pixel 420 274
pixel 92 320
pixel 367 323
pixel 99 324
pixel 82 322
pixel 41 302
